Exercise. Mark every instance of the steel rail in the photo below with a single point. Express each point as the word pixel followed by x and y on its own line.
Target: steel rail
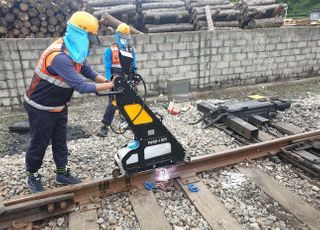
pixel 87 192
pixel 26 212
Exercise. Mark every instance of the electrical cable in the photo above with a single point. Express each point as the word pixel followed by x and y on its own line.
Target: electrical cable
pixel 266 126
pixel 197 121
pixel 222 115
pixel 138 114
pixel 144 97
pixel 118 132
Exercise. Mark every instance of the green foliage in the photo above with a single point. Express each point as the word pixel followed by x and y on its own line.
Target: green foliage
pixel 300 8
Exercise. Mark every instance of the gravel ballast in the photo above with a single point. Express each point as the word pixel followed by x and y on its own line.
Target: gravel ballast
pixel 92 158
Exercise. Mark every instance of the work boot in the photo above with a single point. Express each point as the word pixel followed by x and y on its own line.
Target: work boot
pixel 103 132
pixel 34 182
pixel 66 178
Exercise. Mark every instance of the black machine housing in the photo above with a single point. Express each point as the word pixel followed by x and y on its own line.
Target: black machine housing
pixel 243 109
pixel 242 117
pixel 156 147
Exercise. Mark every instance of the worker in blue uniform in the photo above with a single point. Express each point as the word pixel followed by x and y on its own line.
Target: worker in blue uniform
pixel 58 73
pixel 119 60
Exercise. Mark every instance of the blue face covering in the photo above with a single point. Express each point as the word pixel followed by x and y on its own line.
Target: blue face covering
pixel 121 45
pixel 77 43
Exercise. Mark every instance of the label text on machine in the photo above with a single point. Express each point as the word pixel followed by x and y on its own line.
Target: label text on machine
pixel 158 141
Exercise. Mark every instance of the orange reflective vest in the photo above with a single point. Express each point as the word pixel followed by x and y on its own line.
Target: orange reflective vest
pixel 116 65
pixel 47 91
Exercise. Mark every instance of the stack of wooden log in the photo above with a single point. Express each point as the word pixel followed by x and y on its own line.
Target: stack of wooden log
pixel 164 16
pixel 247 14
pixel 301 22
pixel 35 18
pixel 111 23
pixel 261 13
pixel 123 10
pixel 222 12
pixel 43 18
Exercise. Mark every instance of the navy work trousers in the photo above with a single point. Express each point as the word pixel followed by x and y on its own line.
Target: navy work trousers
pixel 46 126
pixel 109 113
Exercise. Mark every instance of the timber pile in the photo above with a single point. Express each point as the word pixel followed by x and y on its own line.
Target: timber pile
pixel 164 16
pixel 123 10
pixel 247 14
pixel 111 23
pixel 261 14
pixel 35 18
pixel 301 22
pixel 222 12
pixel 43 18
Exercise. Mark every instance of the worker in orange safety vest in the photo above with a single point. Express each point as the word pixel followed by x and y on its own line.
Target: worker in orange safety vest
pixel 119 60
pixel 57 75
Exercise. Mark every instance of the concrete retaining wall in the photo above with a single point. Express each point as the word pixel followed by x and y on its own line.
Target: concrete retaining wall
pixel 216 59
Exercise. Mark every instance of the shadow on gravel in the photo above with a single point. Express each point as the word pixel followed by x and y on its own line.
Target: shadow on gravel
pixel 17 138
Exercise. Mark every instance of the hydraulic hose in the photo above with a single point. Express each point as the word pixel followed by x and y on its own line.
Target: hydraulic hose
pixel 222 115
pixel 141 109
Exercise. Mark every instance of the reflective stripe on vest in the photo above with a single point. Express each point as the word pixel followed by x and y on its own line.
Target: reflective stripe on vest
pixel 41 68
pixel 56 46
pixel 115 63
pixel 42 73
pixel 51 79
pixel 42 107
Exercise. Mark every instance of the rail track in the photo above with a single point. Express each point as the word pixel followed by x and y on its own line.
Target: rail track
pixel 82 200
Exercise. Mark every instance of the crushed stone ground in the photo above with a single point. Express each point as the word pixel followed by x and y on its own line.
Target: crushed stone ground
pixel 92 157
